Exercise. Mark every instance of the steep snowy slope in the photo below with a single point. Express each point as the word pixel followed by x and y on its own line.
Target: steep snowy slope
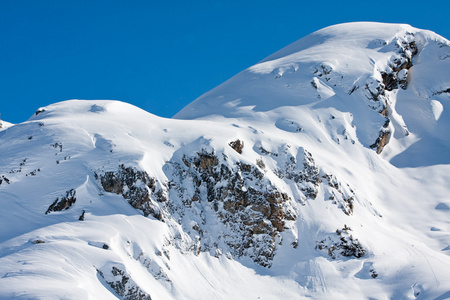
pixel 397 71
pixel 320 172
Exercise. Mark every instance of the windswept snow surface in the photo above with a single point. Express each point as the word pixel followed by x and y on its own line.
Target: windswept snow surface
pixel 267 187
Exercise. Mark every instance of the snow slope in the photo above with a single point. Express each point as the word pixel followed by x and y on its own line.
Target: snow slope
pixel 320 172
pixel 4 125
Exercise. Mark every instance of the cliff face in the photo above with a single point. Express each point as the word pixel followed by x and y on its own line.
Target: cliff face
pixel 288 181
pixel 247 201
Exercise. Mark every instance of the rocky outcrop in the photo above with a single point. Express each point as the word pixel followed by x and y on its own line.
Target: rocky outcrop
pixel 4 179
pixel 122 284
pixel 141 191
pixel 301 170
pixel 63 203
pixel 252 210
pixel 381 141
pixel 447 91
pixel 397 71
pixel 344 198
pixel 393 76
pixel 40 110
pixel 237 145
pixel 342 243
pixel 249 210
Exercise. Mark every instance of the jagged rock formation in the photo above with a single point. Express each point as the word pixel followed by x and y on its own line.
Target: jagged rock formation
pixel 252 209
pixel 135 186
pixel 393 75
pixel 64 202
pixel 247 203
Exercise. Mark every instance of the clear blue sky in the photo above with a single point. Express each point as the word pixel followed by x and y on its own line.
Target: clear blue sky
pixel 161 55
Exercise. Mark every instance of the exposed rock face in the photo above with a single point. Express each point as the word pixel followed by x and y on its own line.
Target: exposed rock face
pixel 346 245
pixel 64 202
pixel 301 170
pixel 250 211
pixel 137 187
pixel 123 285
pixel 397 74
pixel 237 145
pixel 247 204
pixel 394 76
pixel 344 198
pixel 383 136
pixel 381 141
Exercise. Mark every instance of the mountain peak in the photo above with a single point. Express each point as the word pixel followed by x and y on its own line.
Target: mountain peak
pixel 346 51
pixel 378 73
pixel 88 107
pixel 320 172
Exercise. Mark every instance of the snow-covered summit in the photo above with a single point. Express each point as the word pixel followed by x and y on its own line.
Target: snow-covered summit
pixel 336 56
pixel 320 172
pixel 384 75
pixel 80 107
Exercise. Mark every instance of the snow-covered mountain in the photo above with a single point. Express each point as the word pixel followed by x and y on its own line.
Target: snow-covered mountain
pixel 322 171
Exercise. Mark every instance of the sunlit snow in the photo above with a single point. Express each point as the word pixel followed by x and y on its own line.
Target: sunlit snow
pixel 327 104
